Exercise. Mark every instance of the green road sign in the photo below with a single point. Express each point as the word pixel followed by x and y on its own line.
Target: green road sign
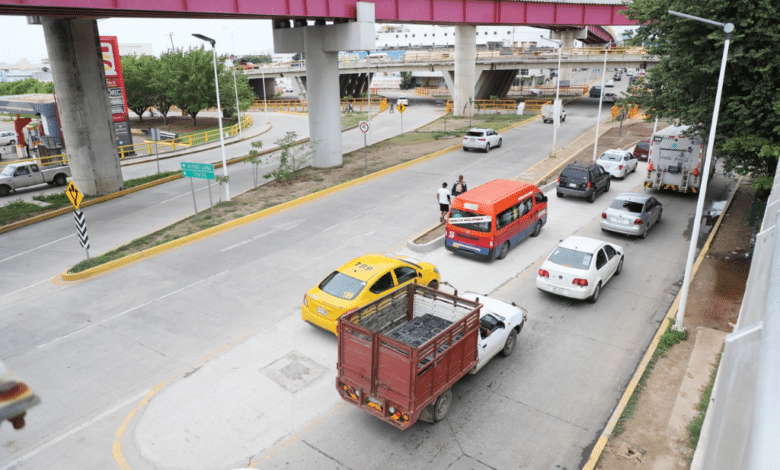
pixel 204 171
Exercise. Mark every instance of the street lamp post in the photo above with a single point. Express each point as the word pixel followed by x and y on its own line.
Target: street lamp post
pixel 265 101
pixel 235 84
pixel 219 113
pixel 601 99
pixel 556 106
pixel 728 28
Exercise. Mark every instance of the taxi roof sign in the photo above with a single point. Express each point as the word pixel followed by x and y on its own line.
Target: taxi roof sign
pixel 74 194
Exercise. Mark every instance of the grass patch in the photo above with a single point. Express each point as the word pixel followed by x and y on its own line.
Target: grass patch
pixel 668 339
pixel 16 210
pixel 353 119
pixel 148 179
pixel 695 426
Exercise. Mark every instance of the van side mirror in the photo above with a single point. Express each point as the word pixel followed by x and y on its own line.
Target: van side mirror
pixel 544 198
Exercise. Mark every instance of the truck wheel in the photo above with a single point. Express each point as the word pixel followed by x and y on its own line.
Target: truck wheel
pixel 504 250
pixel 509 346
pixel 4 190
pixel 442 406
pixel 433 284
pixel 60 180
pixel 537 229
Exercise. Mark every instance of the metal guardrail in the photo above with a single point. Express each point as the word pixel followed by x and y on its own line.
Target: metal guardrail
pixel 487 106
pixel 302 106
pixel 742 427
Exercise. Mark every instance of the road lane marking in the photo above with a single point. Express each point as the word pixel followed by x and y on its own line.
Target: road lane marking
pixel 286 227
pixel 73 431
pixel 37 248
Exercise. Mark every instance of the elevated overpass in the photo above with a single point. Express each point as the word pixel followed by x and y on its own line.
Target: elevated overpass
pixel 316 28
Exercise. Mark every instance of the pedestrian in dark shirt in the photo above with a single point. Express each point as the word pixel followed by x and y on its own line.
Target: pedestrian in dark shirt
pixel 459 187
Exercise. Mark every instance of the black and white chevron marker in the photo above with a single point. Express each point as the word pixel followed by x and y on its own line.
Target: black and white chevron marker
pixel 81 228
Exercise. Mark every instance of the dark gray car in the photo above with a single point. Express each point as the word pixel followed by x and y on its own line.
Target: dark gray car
pixel 632 214
pixel 582 180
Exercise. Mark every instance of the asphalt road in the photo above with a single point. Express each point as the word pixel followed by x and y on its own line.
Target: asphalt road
pixel 179 361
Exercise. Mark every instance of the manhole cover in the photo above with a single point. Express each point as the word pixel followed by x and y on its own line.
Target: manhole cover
pixel 294 371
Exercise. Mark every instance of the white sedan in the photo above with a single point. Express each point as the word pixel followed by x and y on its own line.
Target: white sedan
pixel 579 267
pixel 610 83
pixel 617 162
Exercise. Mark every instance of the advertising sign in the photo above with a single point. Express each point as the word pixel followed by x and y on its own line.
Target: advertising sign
pixel 117 96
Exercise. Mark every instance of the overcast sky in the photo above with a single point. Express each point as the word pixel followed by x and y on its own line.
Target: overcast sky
pixel 19 40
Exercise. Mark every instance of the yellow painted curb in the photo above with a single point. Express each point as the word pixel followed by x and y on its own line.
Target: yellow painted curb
pixel 598 449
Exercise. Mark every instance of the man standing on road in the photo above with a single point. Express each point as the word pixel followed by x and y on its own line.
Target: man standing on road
pixel 391 108
pixel 443 196
pixel 459 187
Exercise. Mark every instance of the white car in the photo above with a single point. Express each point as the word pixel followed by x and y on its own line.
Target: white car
pixel 482 139
pixel 499 324
pixel 403 100
pixel 617 162
pixel 7 138
pixel 579 267
pixel 610 83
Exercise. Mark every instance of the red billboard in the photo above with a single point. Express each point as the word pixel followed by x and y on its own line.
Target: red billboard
pixel 116 83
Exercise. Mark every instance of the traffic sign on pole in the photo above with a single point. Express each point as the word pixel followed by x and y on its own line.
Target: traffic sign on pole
pixel 81 228
pixel 203 171
pixel 363 126
pixel 74 194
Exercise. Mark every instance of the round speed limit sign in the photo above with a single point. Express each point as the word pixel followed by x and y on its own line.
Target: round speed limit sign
pixel 363 126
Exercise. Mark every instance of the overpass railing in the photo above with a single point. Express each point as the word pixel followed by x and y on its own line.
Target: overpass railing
pixel 493 106
pixel 301 106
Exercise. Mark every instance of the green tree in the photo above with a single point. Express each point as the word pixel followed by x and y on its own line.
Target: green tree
pixel 406 80
pixel 684 83
pixel 165 80
pixel 227 90
pixel 26 87
pixel 194 89
pixel 137 72
pixel 292 157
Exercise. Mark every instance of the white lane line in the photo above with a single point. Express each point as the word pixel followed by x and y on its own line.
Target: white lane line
pixel 73 431
pixel 182 195
pixel 131 309
pixel 34 249
pixel 285 227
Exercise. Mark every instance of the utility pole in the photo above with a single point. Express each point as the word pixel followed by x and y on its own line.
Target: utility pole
pixel 171 36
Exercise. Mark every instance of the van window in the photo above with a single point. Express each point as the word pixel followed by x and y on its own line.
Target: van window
pixel 477 226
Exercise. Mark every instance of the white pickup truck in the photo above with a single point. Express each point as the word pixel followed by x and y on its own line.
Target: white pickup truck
pixel 548 113
pixel 22 175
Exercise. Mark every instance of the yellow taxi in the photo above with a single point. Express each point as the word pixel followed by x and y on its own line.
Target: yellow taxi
pixel 361 281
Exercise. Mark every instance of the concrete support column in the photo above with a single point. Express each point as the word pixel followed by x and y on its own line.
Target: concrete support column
pixel 567 39
pixel 465 61
pixel 73 46
pixel 322 79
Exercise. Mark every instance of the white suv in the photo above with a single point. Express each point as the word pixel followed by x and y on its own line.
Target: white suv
pixel 481 139
pixel 403 100
pixel 7 138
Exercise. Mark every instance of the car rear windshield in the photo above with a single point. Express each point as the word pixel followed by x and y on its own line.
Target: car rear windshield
pixel 478 226
pixel 475 133
pixel 612 157
pixel 626 205
pixel 643 145
pixel 571 258
pixel 575 174
pixel 342 286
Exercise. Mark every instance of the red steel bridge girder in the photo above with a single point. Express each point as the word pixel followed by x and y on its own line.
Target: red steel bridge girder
pixel 444 12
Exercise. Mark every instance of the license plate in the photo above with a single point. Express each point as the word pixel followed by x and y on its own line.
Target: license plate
pixel 322 311
pixel 557 290
pixel 572 185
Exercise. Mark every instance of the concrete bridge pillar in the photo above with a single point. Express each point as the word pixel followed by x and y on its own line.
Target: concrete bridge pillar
pixel 73 46
pixel 567 39
pixel 465 71
pixel 321 44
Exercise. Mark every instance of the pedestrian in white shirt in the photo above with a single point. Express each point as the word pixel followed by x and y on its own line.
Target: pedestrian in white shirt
pixel 443 196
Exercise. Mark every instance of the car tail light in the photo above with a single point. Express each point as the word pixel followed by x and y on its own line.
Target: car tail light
pixel 603 215
pixel 305 300
pixel 481 140
pixel 580 282
pixel 590 185
pixel 620 167
pixel 637 221
pixel 559 179
pixel 650 167
pixel 544 273
pixel 465 138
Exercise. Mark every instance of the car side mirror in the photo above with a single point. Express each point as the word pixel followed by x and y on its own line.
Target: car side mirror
pixel 544 198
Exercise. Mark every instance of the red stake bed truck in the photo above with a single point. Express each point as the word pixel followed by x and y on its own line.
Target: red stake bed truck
pixel 399 355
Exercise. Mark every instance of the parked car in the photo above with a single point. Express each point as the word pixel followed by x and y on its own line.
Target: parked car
pixel 582 180
pixel 482 139
pixel 616 77
pixel 617 162
pixel 642 149
pixel 362 281
pixel 610 84
pixel 610 97
pixel 402 100
pixel 579 267
pixel 595 91
pixel 632 214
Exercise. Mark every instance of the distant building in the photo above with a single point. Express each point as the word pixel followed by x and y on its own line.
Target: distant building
pixel 23 70
pixel 411 37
